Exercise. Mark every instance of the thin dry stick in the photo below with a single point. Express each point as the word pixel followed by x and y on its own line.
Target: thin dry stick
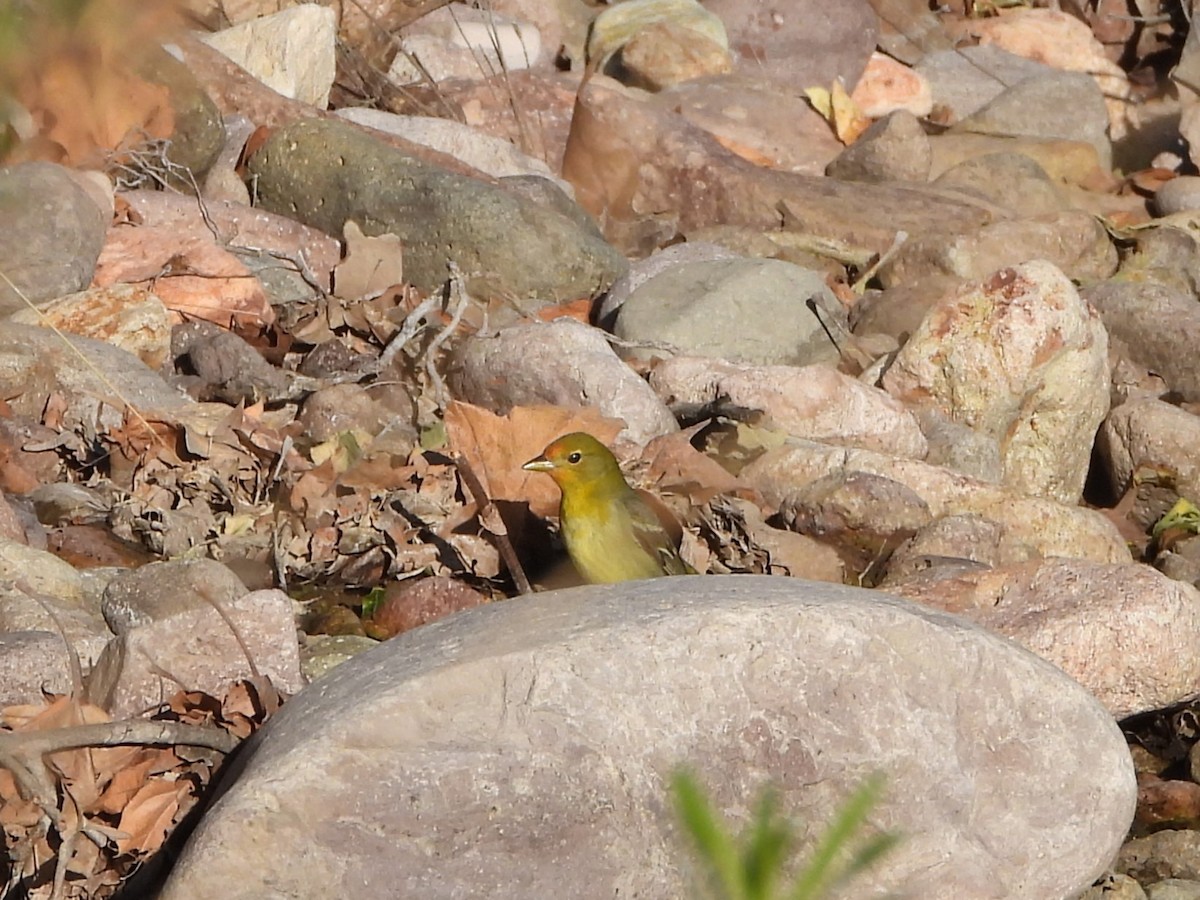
pixel 488 71
pixel 461 300
pixel 490 516
pixel 66 850
pixel 414 322
pixel 23 744
pixel 860 283
pixel 389 35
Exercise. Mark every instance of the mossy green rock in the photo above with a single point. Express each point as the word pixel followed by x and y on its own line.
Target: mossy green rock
pixel 325 173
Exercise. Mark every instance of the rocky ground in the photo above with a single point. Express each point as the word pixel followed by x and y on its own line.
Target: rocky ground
pixel 895 308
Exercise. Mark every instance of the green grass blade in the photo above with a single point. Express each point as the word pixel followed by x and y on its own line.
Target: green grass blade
pixel 765 849
pixel 820 871
pixel 717 848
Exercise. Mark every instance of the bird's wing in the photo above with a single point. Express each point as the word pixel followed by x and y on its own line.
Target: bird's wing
pixel 657 531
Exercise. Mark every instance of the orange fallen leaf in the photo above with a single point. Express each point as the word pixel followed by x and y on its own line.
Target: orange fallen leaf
pixel 126 782
pixel 148 817
pixel 746 152
pixel 580 310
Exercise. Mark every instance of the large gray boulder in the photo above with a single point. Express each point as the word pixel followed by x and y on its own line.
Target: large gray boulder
pixel 523 749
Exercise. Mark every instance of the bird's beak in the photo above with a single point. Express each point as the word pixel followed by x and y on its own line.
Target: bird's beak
pixel 538 464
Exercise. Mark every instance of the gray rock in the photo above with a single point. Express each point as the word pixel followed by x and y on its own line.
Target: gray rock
pixel 1055 104
pixel 32 662
pixel 1073 163
pixel 124 315
pixel 814 402
pixel 159 590
pixel 748 110
pixel 35 362
pixel 40 592
pixel 742 310
pixel 1114 887
pixel 669 53
pixel 385 412
pixel 523 749
pixel 1164 854
pixel 1167 256
pixel 1024 360
pixel 565 363
pixel 805 43
pixel 463 42
pixel 642 270
pixel 266 239
pixel 1011 180
pixel 617 25
pixel 1174 889
pixel 65 502
pixel 899 309
pixel 199 133
pixel 324 173
pixel 954 544
pixel 956 445
pixel 1159 327
pixel 476 148
pixel 894 148
pixel 968 78
pixel 1146 432
pixel 1063 609
pixel 1178 195
pixel 322 653
pixel 1072 240
pixel 1051 528
pixel 221 366
pixel 864 515
pixel 17 521
pixel 52 235
pixel 198 649
pixel 1181 562
pixel 912 31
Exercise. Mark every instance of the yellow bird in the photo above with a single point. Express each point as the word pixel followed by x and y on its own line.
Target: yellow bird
pixel 612 531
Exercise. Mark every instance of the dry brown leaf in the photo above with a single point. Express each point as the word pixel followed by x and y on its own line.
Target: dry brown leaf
pixel 149 816
pixel 372 264
pixel 378 472
pixel 16 812
pixel 86 861
pixel 79 768
pixel 580 310
pixel 62 712
pixel 310 497
pixel 497 446
pixel 88 104
pixel 55 410
pixel 746 152
pixel 72 66
pixel 126 782
pixel 675 466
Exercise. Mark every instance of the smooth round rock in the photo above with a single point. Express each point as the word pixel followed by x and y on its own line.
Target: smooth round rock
pixel 524 749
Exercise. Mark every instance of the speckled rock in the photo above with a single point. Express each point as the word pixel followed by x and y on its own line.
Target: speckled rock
pixel 528 745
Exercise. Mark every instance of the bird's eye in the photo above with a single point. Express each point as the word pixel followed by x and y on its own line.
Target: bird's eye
pixel 574 457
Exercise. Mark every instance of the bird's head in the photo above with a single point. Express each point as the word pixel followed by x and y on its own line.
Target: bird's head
pixel 577 459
